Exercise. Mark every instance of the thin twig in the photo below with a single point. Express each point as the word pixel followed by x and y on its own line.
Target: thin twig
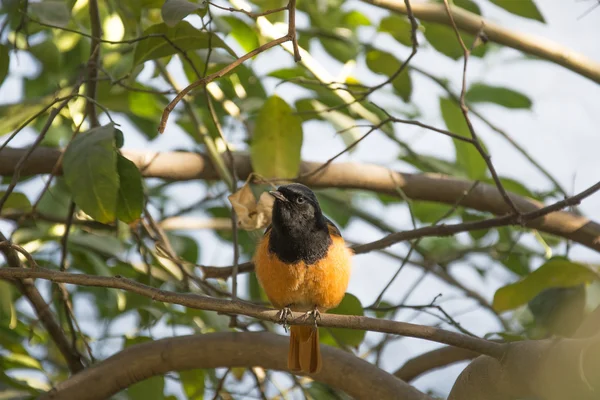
pixel 266 314
pixel 292 29
pixel 465 112
pixel 43 312
pixel 204 81
pixel 249 13
pixel 36 143
pixel 93 62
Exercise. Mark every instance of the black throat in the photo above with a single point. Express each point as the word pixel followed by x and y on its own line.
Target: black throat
pixel 298 242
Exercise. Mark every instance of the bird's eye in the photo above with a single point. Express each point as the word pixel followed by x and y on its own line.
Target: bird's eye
pixel 300 200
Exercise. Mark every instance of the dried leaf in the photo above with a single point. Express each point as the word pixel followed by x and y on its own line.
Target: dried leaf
pixel 251 215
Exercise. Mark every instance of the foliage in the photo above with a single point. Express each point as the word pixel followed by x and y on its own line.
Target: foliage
pixel 117 221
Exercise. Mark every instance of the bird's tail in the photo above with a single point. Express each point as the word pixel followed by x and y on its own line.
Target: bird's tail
pixel 305 353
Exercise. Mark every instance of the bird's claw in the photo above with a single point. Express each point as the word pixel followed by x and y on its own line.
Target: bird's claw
pixel 284 314
pixel 315 314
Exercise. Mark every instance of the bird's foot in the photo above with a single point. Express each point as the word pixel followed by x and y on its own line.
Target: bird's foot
pixel 284 315
pixel 315 314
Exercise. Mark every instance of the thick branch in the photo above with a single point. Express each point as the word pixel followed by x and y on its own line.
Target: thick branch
pixel 342 370
pixel 433 360
pixel 429 187
pixel 267 314
pixel 473 24
pixel 552 369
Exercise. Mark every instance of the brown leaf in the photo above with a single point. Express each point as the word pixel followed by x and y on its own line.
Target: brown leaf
pixel 251 215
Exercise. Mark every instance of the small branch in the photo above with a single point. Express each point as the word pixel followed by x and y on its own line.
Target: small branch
pixel 207 303
pixel 465 111
pixel 416 243
pixel 442 84
pixel 292 29
pixel 42 310
pixel 92 78
pixel 472 23
pixel 204 81
pixel 249 13
pixel 234 218
pixel 19 165
pixel 451 229
pixel 432 360
pixel 182 166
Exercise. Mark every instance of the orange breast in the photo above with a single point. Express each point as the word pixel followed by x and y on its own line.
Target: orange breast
pixel 302 286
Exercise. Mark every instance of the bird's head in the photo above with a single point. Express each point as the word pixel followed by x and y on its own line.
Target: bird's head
pixel 296 207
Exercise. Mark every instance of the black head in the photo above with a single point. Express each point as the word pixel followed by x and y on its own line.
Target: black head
pixel 299 230
pixel 296 209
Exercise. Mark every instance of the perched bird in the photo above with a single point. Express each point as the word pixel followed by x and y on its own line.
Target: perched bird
pixel 303 264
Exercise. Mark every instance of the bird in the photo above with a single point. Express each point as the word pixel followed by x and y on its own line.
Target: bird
pixel 303 264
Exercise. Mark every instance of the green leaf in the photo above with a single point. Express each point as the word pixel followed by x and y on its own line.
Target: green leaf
pixel 151 388
pixel 90 171
pixel 277 140
pixel 513 186
pixel 185 247
pixel 355 19
pixel 291 73
pixel 8 315
pixel 342 50
pixel 482 93
pixel 468 5
pixel 428 211
pixel 468 216
pixel 51 12
pixel 119 138
pixel 385 308
pixel 556 272
pixel 174 11
pixel 397 26
pixel 102 244
pixel 242 33
pixel 558 309
pixel 516 262
pixel 183 35
pixel 443 39
pixel 385 63
pixel 522 8
pixel 15 360
pixel 13 115
pixel 467 156
pixel 350 305
pixel 332 202
pixel 4 62
pixel 321 391
pixel 130 200
pixel 193 383
pixel 15 202
pixel 49 55
pixel 56 200
pixel 441 248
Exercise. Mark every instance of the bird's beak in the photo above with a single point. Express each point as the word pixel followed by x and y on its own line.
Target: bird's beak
pixel 278 195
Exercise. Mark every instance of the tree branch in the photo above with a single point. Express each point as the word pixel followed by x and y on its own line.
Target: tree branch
pixel 342 370
pixel 545 369
pixel 42 310
pixel 427 187
pixel 202 302
pixel 473 23
pixel 432 360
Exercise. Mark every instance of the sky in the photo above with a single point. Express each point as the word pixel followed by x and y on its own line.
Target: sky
pixel 561 132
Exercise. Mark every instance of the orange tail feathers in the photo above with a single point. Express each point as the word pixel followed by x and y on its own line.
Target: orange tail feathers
pixel 305 353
